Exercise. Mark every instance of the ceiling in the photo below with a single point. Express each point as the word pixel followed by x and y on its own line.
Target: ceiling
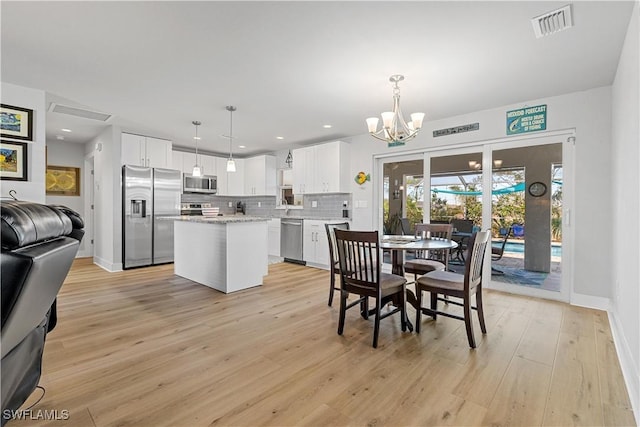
pixel 292 67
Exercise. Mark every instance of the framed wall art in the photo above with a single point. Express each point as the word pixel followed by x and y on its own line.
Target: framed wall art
pixel 63 181
pixel 16 122
pixel 13 160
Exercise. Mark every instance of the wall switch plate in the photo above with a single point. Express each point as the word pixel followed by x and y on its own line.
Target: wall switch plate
pixel 314 204
pixel 259 204
pixel 230 204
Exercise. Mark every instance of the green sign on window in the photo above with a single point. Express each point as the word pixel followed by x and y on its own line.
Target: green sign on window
pixel 529 119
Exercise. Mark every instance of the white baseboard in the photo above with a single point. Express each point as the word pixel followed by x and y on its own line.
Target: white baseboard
pixel 590 301
pixel 110 267
pixel 629 372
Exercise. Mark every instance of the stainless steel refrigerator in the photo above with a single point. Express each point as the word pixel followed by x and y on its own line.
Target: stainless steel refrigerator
pixel 147 195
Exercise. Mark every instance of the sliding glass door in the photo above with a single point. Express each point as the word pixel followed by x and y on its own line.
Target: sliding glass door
pixel 517 189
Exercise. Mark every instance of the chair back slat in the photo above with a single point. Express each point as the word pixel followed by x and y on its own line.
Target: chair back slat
pixel 437 231
pixel 359 258
pixel 473 268
pixel 333 250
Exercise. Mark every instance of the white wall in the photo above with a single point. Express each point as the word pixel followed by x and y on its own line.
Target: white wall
pixel 107 199
pixel 60 153
pixel 589 112
pixel 625 267
pixel 33 189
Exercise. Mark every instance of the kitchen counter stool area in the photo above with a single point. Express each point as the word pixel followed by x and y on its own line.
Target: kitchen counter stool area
pixel 226 254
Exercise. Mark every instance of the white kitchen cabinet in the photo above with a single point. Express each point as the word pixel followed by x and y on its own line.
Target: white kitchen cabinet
pixel 304 169
pixel 273 229
pixel 188 161
pixel 221 167
pixel 260 176
pixel 208 164
pixel 146 151
pixel 184 162
pixel 332 173
pixel 321 168
pixel 235 180
pixel 176 160
pixel 315 246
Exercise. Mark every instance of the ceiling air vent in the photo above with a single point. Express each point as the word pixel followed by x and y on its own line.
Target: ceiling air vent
pixel 79 112
pixel 552 22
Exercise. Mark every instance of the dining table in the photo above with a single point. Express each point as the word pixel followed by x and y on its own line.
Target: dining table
pixel 398 245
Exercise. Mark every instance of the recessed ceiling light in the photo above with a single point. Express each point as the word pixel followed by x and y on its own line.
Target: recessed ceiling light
pixel 327 126
pixel 279 137
pixel 242 146
pixel 197 138
pixel 65 130
pixel 59 137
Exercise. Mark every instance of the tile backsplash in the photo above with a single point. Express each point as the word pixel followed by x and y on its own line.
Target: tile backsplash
pixel 328 205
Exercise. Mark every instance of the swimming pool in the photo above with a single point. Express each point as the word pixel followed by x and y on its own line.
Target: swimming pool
pixel 518 248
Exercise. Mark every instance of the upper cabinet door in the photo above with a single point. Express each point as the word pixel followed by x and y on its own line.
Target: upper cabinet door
pixel 260 176
pixel 158 153
pixel 235 180
pixel 188 162
pixel 176 160
pixel 208 164
pixel 133 150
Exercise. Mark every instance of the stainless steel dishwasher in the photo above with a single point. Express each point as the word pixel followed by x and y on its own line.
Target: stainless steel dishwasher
pixel 291 240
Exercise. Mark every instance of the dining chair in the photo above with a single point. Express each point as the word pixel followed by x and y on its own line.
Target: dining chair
pixel 498 251
pixel 334 262
pixel 463 286
pixel 427 261
pixel 360 273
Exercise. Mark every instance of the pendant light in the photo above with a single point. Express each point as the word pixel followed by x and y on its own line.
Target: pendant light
pixel 289 160
pixel 197 170
pixel 231 164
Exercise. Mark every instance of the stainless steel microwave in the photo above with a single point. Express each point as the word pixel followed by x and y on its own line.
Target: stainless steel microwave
pixel 200 184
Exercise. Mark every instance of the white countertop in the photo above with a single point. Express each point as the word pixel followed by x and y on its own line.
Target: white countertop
pixel 215 219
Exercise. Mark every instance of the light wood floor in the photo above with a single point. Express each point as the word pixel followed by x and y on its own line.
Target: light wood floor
pixel 147 348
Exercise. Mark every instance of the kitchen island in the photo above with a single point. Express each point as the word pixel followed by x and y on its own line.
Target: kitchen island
pixel 226 253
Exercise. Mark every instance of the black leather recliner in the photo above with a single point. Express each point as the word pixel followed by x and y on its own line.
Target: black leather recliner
pixel 39 243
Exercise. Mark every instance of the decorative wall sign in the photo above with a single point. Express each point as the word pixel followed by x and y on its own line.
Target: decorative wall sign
pixel 13 160
pixel 529 119
pixel 362 177
pixel 63 181
pixel 457 129
pixel 16 122
pixel 395 144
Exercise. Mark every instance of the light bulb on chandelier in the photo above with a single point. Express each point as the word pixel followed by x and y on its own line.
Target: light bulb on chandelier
pixel 394 127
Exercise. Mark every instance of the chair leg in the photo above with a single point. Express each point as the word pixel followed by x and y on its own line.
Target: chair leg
pixel 343 310
pixel 376 327
pixel 418 309
pixel 364 308
pixel 332 285
pixel 468 322
pixel 480 310
pixel 434 304
pixel 403 311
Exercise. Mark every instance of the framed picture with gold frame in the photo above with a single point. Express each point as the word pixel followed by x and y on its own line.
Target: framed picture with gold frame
pixel 63 181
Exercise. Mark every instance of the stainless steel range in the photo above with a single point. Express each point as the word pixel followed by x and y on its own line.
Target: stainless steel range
pixel 193 208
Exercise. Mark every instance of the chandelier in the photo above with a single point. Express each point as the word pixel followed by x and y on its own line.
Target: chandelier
pixel 394 127
pixel 231 164
pixel 197 170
